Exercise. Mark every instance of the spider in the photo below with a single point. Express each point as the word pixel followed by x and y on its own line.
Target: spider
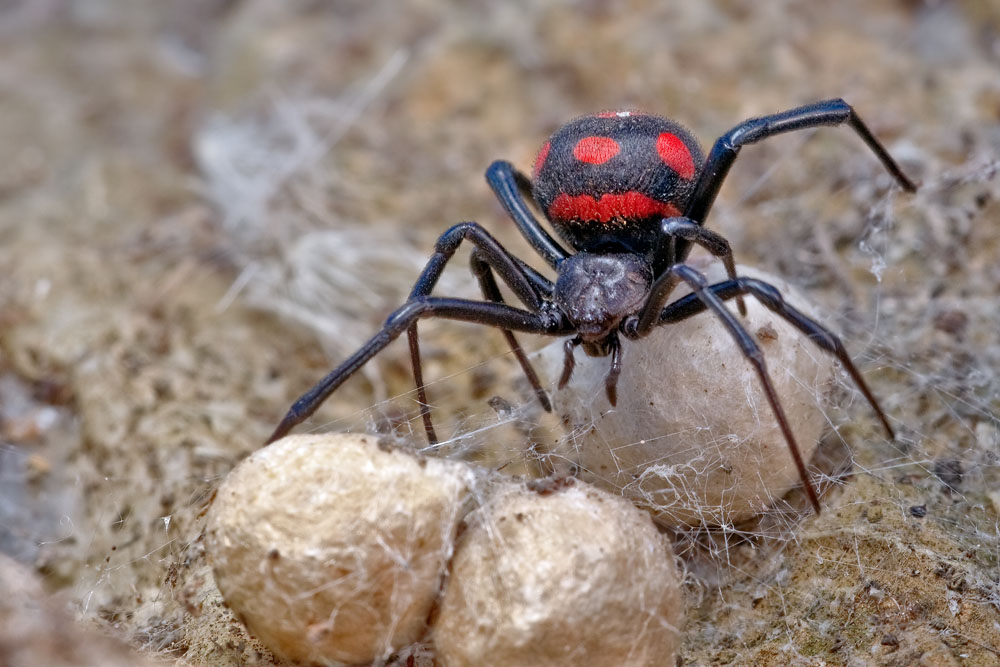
pixel 629 192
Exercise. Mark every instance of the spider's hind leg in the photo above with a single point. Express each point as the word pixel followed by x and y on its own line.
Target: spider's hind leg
pixel 727 147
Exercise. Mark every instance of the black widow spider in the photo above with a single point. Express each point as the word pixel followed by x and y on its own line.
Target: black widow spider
pixel 629 192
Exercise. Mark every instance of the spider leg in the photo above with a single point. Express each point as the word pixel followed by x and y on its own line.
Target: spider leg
pixel 490 253
pixel 491 291
pixel 688 230
pixel 649 316
pixel 767 294
pixel 489 249
pixel 510 187
pixel 418 378
pixel 727 147
pixel 543 285
pixel 710 300
pixel 497 315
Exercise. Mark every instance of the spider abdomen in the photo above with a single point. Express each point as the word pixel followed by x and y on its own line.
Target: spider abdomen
pixel 605 181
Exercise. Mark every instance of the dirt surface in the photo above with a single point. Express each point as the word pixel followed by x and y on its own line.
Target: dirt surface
pixel 204 205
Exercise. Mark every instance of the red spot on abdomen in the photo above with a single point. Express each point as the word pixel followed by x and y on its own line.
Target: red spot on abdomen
pixel 625 206
pixel 596 150
pixel 542 156
pixel 675 154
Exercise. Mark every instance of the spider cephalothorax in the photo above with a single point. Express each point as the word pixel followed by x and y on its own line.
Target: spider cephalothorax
pixel 597 291
pixel 606 181
pixel 629 192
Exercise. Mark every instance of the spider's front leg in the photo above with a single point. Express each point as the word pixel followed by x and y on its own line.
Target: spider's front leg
pixel 488 255
pixel 491 291
pixel 711 297
pixel 498 315
pixel 689 306
pixel 667 251
pixel 522 282
pixel 688 230
pixel 709 300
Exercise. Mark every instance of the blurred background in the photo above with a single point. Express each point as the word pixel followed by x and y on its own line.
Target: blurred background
pixel 204 205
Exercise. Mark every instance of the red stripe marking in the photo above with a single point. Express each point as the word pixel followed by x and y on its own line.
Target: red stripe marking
pixel 625 206
pixel 596 150
pixel 675 154
pixel 542 156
